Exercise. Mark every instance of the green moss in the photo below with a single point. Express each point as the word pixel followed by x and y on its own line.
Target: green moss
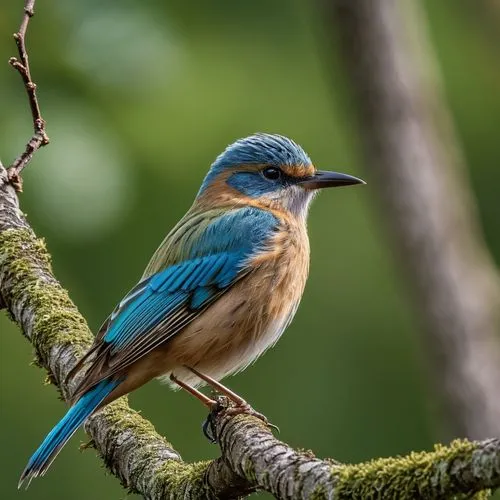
pixel 173 474
pixel 249 471
pixel 412 476
pixel 57 321
pixel 482 495
pixel 179 475
pixel 121 417
pixel 319 493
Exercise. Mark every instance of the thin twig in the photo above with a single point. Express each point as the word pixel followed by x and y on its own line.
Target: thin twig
pixel 39 137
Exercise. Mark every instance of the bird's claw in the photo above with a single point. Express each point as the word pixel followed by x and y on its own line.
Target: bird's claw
pixel 248 410
pixel 221 405
pixel 209 427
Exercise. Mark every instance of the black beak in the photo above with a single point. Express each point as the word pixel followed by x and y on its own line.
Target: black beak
pixel 323 179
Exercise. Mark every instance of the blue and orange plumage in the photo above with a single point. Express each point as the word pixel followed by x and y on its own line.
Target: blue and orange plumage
pixel 217 293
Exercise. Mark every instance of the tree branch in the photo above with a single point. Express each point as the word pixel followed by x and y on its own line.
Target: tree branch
pixel 413 155
pixel 39 137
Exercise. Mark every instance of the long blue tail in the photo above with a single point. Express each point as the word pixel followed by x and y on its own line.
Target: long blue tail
pixel 67 426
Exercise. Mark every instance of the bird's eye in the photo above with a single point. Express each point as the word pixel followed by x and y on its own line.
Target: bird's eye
pixel 272 173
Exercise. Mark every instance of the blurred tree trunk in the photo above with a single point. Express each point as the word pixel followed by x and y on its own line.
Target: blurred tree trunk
pixel 413 158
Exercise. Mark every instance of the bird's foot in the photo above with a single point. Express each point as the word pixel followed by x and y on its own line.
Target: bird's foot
pixel 222 405
pixel 248 410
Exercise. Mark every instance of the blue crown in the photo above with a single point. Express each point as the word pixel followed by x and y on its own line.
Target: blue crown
pixel 266 149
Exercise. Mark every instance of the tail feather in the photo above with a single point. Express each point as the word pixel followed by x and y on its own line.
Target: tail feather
pixel 62 432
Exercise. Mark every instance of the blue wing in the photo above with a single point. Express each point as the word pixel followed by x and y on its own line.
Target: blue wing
pixel 164 303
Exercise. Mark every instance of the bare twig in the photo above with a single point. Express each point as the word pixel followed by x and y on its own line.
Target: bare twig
pixel 39 137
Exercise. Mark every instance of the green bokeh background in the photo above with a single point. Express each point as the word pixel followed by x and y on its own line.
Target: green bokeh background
pixel 140 97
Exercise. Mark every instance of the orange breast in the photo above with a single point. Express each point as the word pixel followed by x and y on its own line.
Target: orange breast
pixel 249 318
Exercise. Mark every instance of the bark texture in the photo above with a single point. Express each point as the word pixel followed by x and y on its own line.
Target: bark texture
pixel 413 156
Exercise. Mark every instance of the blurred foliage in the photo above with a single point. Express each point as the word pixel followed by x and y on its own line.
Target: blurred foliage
pixel 140 97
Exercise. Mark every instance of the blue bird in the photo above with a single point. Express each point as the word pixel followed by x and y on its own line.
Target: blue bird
pixel 220 289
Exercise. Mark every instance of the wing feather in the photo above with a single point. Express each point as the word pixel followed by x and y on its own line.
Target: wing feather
pixel 165 302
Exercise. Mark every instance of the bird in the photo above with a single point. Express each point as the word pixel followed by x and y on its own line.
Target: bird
pixel 218 292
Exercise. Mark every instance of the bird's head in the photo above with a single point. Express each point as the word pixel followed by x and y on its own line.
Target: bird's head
pixel 268 170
